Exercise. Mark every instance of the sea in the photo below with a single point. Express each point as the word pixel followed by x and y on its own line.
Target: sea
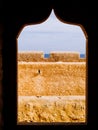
pixel 48 55
pixel 82 56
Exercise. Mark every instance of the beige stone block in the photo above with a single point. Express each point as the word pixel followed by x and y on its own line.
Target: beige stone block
pixel 30 56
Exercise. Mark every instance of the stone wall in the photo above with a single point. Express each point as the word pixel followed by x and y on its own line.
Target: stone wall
pixel 56 93
pixel 64 56
pixel 66 78
pixel 54 57
pixel 66 109
pixel 30 56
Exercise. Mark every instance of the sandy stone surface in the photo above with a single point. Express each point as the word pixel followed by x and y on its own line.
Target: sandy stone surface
pixel 51 109
pixel 59 78
pixel 51 92
pixel 54 56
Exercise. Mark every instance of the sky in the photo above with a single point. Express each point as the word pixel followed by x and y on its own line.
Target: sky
pixel 52 35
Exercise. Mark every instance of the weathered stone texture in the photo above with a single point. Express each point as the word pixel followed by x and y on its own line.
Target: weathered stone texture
pixel 30 56
pixel 51 109
pixel 51 89
pixel 37 56
pixel 59 78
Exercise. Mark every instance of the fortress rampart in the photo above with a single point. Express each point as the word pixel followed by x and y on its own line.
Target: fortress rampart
pixel 54 57
pixel 66 78
pixel 51 89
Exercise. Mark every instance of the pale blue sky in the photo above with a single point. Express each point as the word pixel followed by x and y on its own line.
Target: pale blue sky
pixel 52 35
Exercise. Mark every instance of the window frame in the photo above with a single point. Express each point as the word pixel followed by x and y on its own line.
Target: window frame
pixel 10 74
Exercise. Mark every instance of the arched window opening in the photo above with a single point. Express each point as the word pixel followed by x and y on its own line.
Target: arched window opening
pixel 52 73
pixel 52 35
